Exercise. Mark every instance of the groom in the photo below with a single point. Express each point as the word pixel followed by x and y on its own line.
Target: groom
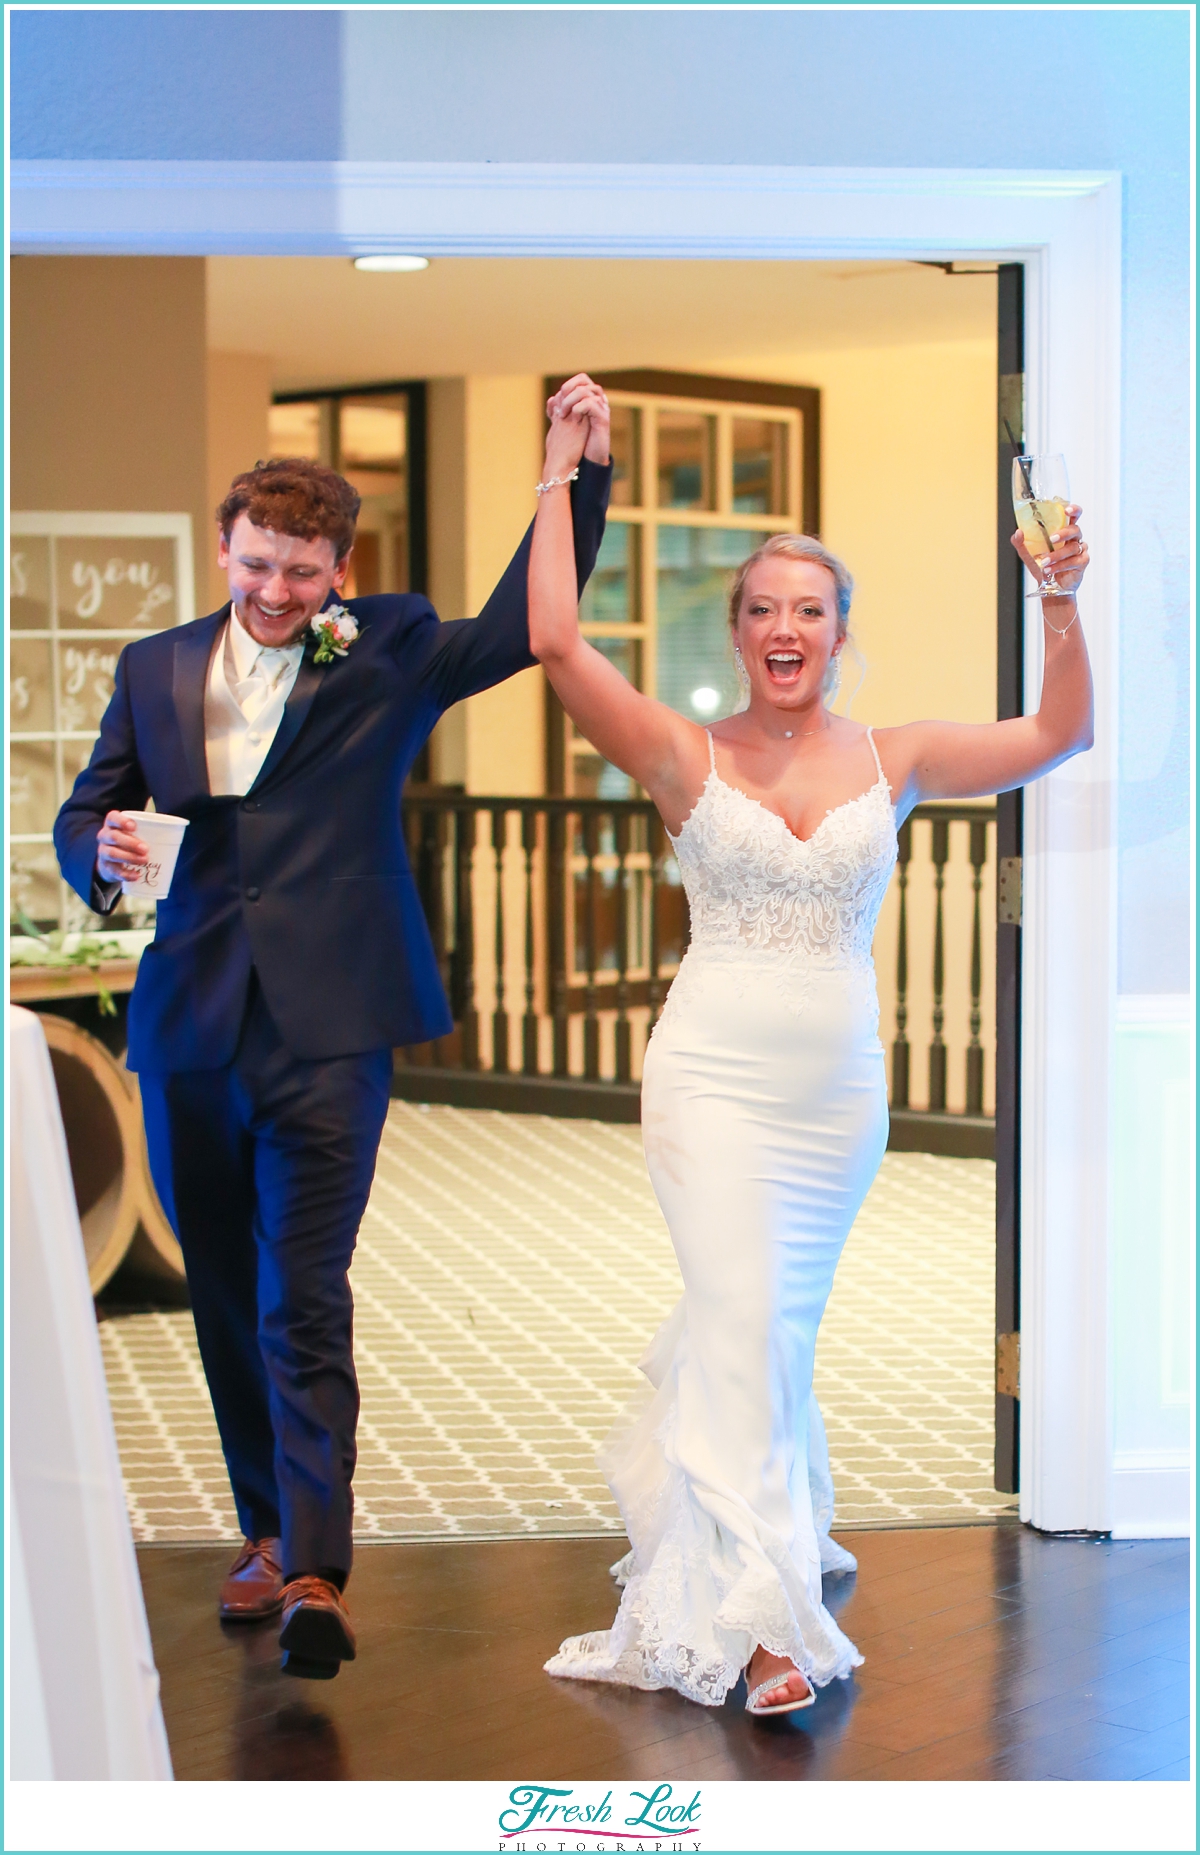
pixel 289 958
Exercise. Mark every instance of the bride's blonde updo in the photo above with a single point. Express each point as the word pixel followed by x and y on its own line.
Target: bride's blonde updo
pixel 797 547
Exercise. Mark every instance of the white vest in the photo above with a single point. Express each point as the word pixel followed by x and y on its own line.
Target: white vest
pixel 248 687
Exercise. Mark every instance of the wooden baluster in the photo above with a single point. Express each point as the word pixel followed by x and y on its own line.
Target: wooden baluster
pixel 557 877
pixel 464 935
pixel 529 1023
pixel 448 883
pixel 591 1023
pixel 422 829
pixel 624 1053
pixel 442 838
pixel 937 1048
pixel 900 1044
pixel 978 853
pixel 430 830
pixel 499 1014
pixel 453 963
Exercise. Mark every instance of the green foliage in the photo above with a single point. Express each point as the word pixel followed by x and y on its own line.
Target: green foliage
pixel 90 952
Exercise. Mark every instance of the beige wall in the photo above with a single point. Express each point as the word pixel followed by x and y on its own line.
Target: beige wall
pixel 108 386
pixel 909 501
pixel 238 407
pixel 446 464
pixel 506 749
pixel 485 451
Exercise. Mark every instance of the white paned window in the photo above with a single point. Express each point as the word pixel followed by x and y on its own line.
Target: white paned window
pixel 698 484
pixel 80 588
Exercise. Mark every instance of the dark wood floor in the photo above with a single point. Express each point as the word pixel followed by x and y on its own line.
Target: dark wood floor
pixel 990 1653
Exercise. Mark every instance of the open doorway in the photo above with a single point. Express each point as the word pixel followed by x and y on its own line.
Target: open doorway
pixel 901 361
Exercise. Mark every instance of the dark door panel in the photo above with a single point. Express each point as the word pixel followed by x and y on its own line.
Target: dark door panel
pixel 1010 616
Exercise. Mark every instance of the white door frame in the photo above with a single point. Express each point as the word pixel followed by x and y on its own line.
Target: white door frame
pixel 1066 228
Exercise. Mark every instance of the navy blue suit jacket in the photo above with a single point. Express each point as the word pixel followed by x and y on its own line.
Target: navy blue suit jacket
pixel 306 879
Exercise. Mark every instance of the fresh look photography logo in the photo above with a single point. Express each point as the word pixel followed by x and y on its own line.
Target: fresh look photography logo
pixel 560 1817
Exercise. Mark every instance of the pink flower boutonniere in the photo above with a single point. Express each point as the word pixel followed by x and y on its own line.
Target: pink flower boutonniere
pixel 335 630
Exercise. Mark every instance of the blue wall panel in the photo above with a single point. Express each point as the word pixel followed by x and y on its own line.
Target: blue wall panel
pixel 855 88
pixel 157 84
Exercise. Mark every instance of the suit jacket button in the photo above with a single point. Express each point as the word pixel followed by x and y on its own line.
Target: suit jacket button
pixel 252 893
pixel 249 805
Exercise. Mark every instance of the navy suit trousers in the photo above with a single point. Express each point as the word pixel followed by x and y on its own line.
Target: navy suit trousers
pixel 264 1168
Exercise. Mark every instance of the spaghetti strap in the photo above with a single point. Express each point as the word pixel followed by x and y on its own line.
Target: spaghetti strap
pixel 875 752
pixel 712 752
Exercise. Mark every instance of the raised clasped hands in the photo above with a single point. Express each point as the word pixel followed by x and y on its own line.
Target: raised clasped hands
pixel 1068 560
pixel 580 426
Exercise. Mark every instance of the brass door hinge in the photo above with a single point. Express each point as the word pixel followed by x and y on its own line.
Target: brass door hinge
pixel 1008 1365
pixel 1008 892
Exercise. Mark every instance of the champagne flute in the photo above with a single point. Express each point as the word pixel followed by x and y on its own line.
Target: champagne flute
pixel 1040 496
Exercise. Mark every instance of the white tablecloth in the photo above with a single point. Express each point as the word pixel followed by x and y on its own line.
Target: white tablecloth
pixel 84 1689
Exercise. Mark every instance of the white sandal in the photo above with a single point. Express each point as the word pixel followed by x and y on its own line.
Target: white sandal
pixel 786 1706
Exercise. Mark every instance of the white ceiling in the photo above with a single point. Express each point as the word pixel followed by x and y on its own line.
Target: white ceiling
pixel 325 324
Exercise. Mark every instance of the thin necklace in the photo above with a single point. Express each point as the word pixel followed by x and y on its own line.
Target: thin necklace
pixel 789 733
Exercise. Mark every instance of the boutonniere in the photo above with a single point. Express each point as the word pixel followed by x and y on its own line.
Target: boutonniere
pixel 335 630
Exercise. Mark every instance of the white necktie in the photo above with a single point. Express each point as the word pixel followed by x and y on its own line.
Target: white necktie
pixel 256 690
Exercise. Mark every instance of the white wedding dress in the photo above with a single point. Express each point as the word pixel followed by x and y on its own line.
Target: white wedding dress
pixel 764 1118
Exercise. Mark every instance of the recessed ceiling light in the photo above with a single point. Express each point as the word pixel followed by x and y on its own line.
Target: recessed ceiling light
pixel 393 261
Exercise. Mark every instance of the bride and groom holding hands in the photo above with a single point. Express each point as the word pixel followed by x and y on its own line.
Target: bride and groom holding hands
pixel 292 955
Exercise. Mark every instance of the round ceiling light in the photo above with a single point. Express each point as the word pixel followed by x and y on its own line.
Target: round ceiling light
pixel 392 261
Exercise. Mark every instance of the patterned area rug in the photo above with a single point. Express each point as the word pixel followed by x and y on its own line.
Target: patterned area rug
pixel 510 1271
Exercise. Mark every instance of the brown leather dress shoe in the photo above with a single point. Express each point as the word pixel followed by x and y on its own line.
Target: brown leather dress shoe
pixel 253 1588
pixel 317 1636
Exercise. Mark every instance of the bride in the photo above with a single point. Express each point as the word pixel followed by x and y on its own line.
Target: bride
pixel 764 1099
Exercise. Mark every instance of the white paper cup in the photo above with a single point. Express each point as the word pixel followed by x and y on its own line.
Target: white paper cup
pixel 162 835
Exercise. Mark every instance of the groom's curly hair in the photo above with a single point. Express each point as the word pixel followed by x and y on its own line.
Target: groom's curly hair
pixel 294 496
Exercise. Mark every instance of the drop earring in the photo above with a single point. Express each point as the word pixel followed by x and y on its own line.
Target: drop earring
pixel 743 680
pixel 833 678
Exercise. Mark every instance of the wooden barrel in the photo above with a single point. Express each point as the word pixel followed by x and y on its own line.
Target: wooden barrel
pixel 103 1128
pixel 154 1250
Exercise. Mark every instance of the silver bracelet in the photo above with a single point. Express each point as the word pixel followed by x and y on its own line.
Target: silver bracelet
pixel 1054 628
pixel 553 483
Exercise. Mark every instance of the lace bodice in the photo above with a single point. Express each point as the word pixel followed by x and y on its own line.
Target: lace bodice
pixel 752 885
